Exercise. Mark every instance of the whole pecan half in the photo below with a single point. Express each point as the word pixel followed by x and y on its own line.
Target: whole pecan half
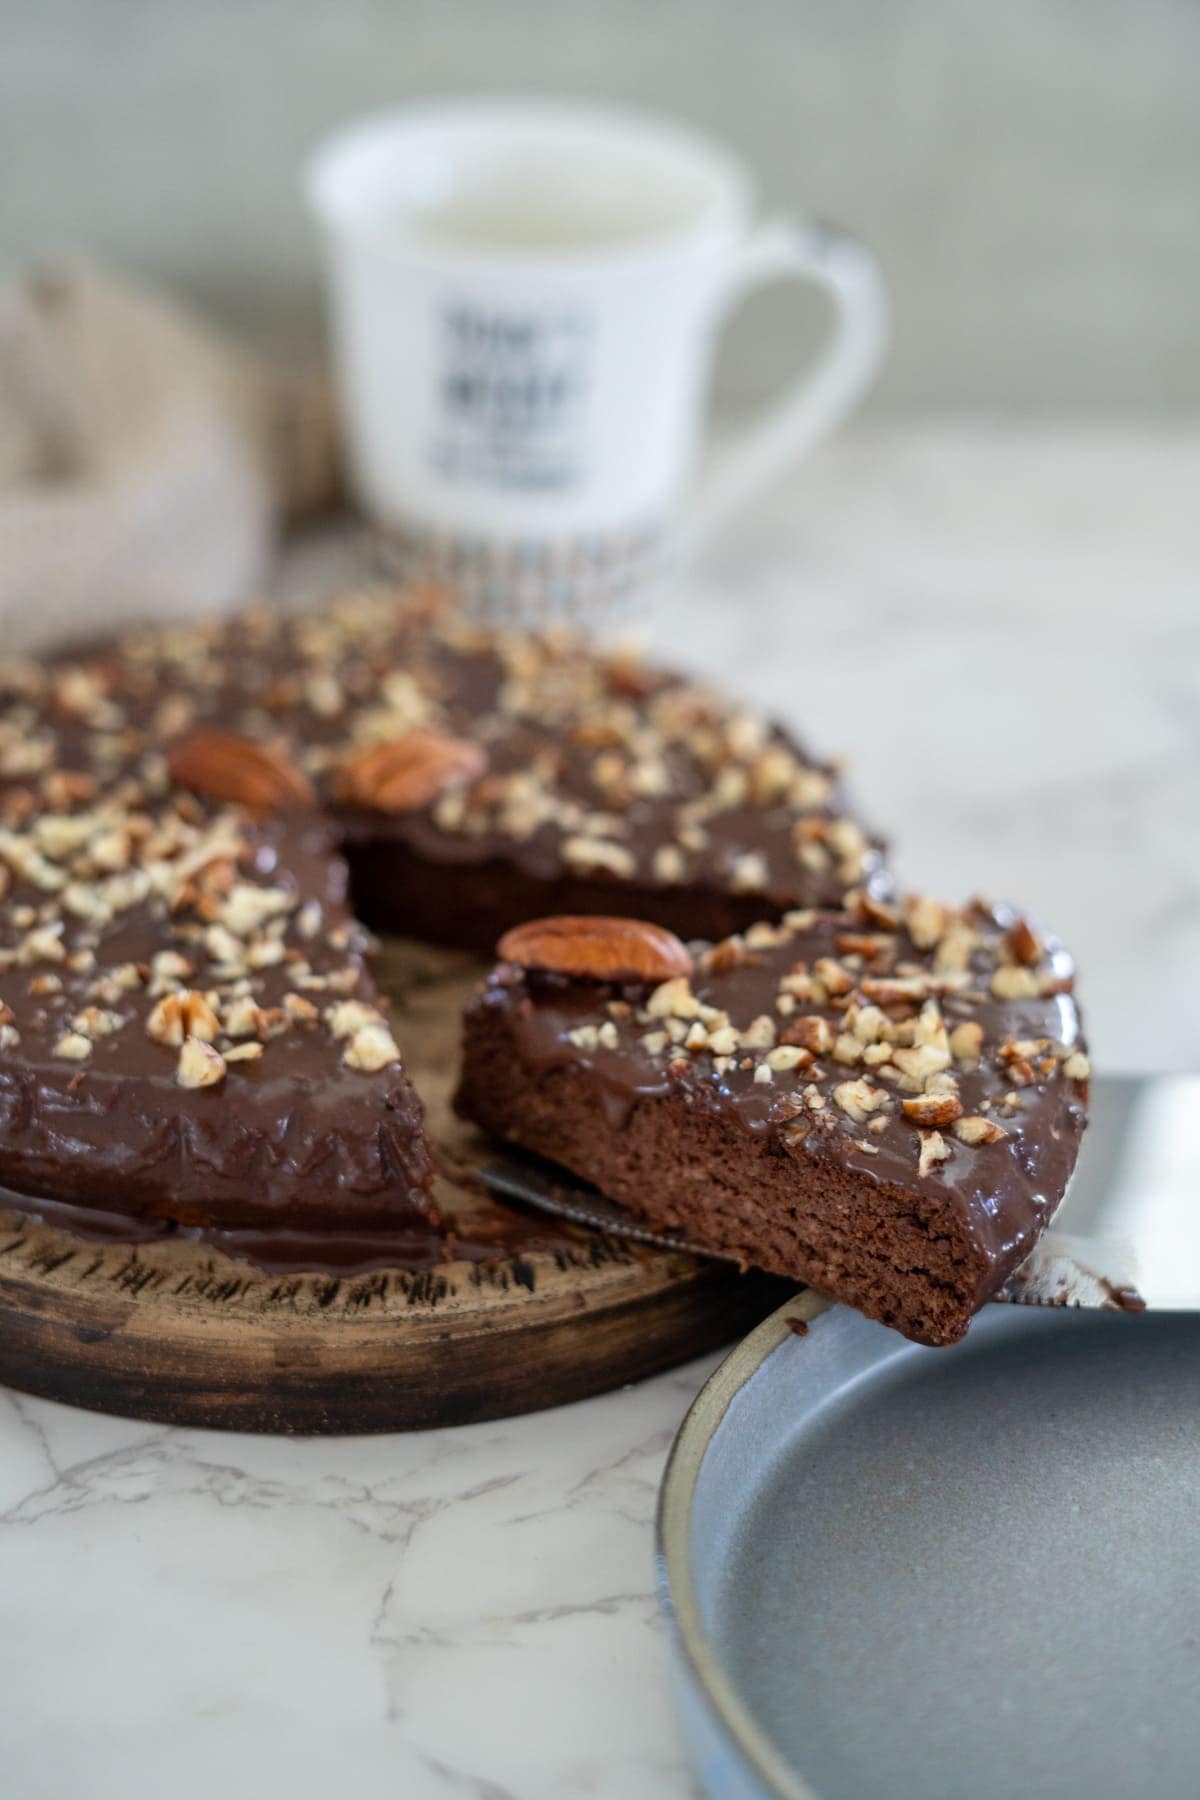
pixel 597 949
pixel 407 772
pixel 221 765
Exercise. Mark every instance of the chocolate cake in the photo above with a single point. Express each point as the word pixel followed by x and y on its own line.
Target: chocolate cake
pixel 883 1101
pixel 477 778
pixel 188 1030
pixel 187 1027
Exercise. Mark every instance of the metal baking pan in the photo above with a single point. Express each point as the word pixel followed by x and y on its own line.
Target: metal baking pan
pixel 906 1572
pixel 896 1571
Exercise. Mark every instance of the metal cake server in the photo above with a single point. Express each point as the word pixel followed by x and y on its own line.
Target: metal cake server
pixel 1065 1268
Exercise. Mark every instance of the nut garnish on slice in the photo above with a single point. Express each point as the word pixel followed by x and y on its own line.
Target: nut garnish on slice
pixel 934 1150
pixel 933 1109
pixel 371 1048
pixel 199 1064
pixel 181 1016
pixel 597 949
pixel 1024 944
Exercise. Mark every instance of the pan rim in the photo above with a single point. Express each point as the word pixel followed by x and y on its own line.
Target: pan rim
pixel 677 1593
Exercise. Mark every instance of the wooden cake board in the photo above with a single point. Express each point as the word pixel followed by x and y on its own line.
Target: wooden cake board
pixel 172 1330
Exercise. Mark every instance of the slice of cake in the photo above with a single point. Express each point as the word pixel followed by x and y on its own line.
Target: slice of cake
pixel 883 1102
pixel 187 1028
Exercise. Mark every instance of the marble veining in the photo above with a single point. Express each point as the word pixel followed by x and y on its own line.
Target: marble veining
pixel 185 1611
pixel 1004 626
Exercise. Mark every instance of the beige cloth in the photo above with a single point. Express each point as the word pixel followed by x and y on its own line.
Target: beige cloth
pixel 147 465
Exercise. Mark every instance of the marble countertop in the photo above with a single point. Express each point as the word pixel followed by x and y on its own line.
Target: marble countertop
pixel 1005 628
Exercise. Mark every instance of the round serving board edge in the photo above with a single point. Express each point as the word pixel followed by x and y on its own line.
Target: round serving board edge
pixel 178 1333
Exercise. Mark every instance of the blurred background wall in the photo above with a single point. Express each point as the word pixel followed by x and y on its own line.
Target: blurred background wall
pixel 1028 170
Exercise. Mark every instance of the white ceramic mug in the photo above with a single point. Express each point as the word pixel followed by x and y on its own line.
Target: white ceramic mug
pixel 526 297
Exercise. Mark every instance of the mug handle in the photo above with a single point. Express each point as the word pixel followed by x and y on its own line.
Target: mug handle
pixel 820 398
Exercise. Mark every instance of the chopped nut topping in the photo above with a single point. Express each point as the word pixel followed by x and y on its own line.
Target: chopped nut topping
pixel 180 1016
pixel 925 921
pixel 674 999
pixel 765 936
pixel 43 945
pixel 371 1048
pixel 832 976
pixel 349 1016
pixel 858 1099
pixel 919 1063
pixel 94 1022
pixel 932 1109
pixel 308 919
pixel 598 853
pixel 199 1064
pixel 812 1032
pixel 166 967
pixel 669 865
pixel 730 953
pixel 867 946
pixel 1024 944
pixel 247 908
pixel 934 1150
pixel 759 1034
pixel 1012 982
pixel 749 873
pixel 954 949
pixel 974 1130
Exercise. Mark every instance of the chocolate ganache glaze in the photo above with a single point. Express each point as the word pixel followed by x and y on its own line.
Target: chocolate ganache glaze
pixel 171 1069
pixel 596 774
pixel 189 1032
pixel 885 1102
